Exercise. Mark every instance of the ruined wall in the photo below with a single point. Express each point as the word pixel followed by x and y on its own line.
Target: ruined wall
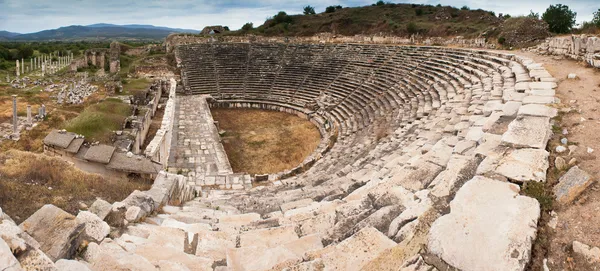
pixel 158 149
pixel 578 47
pixel 115 62
pixel 162 72
pixel 174 40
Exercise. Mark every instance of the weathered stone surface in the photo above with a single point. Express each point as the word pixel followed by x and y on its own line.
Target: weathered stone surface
pixel 591 254
pixel 572 184
pixel 358 250
pixel 71 265
pixel 7 260
pixel 101 208
pixel 57 231
pixel 459 170
pixel 523 165
pixel 95 228
pixel 35 259
pixel 528 131
pixel 489 227
pixel 538 110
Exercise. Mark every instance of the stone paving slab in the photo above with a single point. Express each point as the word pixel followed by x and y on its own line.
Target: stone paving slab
pixel 197 146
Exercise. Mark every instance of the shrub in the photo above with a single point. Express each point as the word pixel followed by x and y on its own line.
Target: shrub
pixel 331 9
pixel 465 8
pixel 418 12
pixel 412 28
pixel 308 10
pixel 501 40
pixel 560 18
pixel 248 26
pixel 380 3
pixel 282 17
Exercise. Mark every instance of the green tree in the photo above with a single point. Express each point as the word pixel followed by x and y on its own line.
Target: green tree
pixel 282 17
pixel 534 15
pixel 248 26
pixel 308 10
pixel 560 18
pixel 465 8
pixel 25 51
pixel 596 19
pixel 380 3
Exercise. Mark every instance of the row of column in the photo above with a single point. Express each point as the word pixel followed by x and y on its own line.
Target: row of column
pixel 41 115
pixel 44 62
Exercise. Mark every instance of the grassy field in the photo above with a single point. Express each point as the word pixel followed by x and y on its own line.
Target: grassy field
pixel 98 121
pixel 131 86
pixel 258 141
pixel 28 181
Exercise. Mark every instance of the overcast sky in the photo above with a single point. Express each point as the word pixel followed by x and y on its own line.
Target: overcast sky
pixel 26 16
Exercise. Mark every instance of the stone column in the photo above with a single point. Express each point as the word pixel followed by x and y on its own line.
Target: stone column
pixel 29 120
pixel 22 66
pixel 31 64
pixel 7 78
pixel 15 119
pixel 43 110
pixel 18 69
pixel 43 69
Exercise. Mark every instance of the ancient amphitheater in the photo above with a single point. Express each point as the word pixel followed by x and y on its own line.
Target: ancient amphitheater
pixel 438 189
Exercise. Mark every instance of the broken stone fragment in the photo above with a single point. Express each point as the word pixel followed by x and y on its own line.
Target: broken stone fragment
pixel 591 254
pixel 58 232
pixel 571 185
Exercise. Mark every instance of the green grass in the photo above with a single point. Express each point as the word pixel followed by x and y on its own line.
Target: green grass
pixel 130 86
pixel 97 122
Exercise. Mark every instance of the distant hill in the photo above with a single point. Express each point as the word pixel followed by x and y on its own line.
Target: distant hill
pixel 146 26
pixel 6 34
pixel 100 32
pixel 390 19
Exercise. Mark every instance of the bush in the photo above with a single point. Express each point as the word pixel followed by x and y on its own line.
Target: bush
pixel 248 26
pixel 331 9
pixel 282 17
pixel 308 10
pixel 560 18
pixel 465 8
pixel 412 28
pixel 418 12
pixel 501 40
pixel 380 3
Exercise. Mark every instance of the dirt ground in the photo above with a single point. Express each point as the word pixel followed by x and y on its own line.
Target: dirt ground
pixel 258 141
pixel 580 101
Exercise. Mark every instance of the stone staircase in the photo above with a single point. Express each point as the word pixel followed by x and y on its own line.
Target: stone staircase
pixel 439 190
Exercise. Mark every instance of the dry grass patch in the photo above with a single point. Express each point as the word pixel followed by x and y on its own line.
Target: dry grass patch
pixel 258 141
pixel 28 181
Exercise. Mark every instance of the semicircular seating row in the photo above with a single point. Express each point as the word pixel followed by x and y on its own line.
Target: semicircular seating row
pixel 452 116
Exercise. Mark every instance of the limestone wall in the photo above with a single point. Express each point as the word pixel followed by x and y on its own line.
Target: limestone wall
pixel 159 148
pixel 174 40
pixel 578 47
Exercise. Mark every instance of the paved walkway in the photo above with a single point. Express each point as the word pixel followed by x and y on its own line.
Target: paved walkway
pixel 196 144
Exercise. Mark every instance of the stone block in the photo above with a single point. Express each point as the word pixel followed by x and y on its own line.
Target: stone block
pixel 489 227
pixel 58 232
pixel 571 185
